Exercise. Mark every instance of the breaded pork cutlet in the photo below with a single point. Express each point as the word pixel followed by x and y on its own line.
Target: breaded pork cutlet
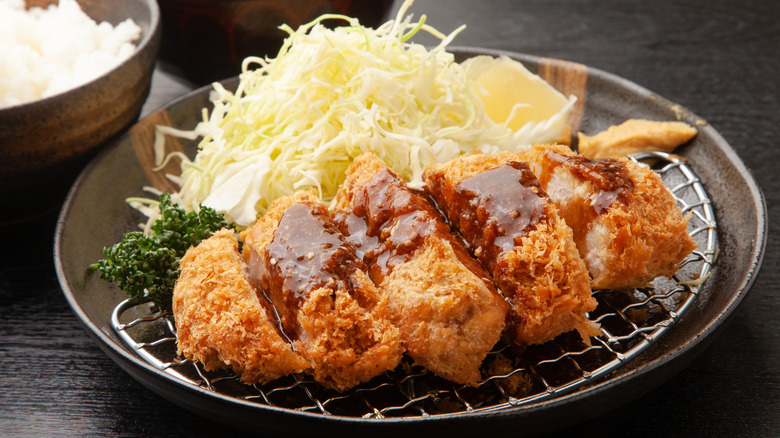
pixel 221 321
pixel 514 230
pixel 627 225
pixel 334 315
pixel 447 310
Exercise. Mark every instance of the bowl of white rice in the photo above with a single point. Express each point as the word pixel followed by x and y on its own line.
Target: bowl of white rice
pixel 73 75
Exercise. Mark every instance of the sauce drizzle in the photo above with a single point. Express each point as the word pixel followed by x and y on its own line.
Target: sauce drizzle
pixel 307 252
pixel 389 221
pixel 609 176
pixel 496 207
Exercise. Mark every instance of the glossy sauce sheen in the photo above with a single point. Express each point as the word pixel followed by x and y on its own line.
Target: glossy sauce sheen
pixel 307 252
pixel 609 176
pixel 495 207
pixel 388 221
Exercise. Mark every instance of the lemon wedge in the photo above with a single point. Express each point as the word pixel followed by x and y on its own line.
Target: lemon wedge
pixel 514 97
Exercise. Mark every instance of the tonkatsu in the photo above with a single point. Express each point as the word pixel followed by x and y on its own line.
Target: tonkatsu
pixel 514 230
pixel 627 225
pixel 332 312
pixel 442 300
pixel 222 320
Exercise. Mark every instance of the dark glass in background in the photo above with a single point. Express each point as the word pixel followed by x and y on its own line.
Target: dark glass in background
pixel 208 39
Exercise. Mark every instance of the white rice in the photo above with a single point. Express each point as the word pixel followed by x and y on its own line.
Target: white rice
pixel 44 52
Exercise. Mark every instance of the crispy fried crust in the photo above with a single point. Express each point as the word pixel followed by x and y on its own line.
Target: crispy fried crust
pixel 542 276
pixel 449 314
pixel 629 242
pixel 219 319
pixel 342 328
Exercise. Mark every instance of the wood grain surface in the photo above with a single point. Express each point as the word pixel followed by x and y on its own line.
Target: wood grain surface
pixel 571 79
pixel 718 58
pixel 142 136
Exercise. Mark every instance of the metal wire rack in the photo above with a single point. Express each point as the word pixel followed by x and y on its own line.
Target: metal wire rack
pixel 631 320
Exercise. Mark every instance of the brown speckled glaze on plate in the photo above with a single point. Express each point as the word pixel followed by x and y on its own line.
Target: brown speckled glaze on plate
pixel 95 215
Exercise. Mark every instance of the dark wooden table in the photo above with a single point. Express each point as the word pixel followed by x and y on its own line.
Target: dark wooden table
pixel 720 59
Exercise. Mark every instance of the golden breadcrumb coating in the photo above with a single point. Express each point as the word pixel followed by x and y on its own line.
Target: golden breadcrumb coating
pixel 539 271
pixel 627 225
pixel 448 312
pixel 219 319
pixel 330 309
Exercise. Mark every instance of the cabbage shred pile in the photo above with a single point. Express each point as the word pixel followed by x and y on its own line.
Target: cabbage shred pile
pixel 296 121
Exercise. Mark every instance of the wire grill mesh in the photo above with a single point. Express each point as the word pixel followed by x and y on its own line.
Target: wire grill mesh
pixel 631 320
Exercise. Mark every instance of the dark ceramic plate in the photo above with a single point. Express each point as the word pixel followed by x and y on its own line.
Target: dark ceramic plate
pixel 95 215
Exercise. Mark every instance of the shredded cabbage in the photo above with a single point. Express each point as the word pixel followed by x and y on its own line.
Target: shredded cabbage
pixel 296 121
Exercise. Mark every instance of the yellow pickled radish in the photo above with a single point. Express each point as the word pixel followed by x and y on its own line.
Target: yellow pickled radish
pixel 516 98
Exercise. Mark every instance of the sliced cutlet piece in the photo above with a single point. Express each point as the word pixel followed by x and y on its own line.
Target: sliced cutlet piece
pixel 627 225
pixel 447 309
pixel 334 315
pixel 512 227
pixel 221 321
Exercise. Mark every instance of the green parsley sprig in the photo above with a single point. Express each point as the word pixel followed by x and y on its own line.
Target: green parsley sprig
pixel 146 266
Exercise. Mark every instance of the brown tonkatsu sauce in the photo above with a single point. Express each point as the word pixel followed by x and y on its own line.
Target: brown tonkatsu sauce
pixel 389 221
pixel 608 175
pixel 307 252
pixel 495 207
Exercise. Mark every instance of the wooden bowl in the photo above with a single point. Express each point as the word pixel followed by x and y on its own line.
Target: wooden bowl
pixel 46 142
